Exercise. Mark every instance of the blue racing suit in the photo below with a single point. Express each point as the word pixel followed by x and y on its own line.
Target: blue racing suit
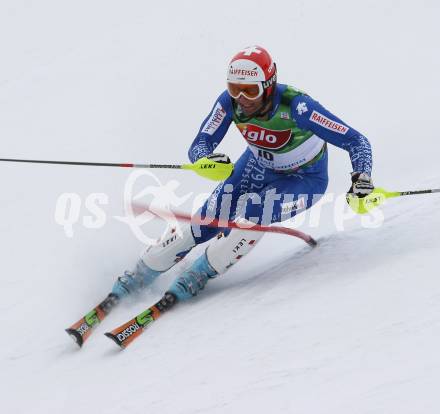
pixel 276 177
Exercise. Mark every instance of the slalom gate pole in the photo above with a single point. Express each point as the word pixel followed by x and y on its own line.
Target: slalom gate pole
pixel 175 215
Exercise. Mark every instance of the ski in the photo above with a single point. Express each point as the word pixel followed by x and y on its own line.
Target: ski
pixel 125 334
pixel 81 330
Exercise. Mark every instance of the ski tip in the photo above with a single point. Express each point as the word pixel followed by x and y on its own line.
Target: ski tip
pixel 76 336
pixel 114 339
pixel 312 242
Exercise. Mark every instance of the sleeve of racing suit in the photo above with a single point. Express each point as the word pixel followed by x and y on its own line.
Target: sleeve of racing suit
pixel 213 128
pixel 311 115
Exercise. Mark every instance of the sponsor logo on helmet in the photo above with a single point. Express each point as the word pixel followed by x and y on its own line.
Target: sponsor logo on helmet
pixel 265 138
pixel 243 72
pixel 251 49
pixel 327 123
pixel 270 82
pixel 215 120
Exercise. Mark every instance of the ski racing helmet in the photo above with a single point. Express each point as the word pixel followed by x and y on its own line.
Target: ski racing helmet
pixel 252 73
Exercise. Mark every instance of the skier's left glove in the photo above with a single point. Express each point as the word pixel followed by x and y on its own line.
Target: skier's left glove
pixel 362 185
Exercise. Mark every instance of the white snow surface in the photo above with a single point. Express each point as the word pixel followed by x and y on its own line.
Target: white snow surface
pixel 352 326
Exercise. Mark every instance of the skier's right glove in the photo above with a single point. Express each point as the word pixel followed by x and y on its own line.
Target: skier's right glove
pixel 218 157
pixel 362 185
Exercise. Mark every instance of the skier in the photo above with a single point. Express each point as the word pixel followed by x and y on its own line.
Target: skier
pixel 282 172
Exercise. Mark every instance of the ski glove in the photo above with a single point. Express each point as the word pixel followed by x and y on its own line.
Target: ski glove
pixel 362 185
pixel 218 157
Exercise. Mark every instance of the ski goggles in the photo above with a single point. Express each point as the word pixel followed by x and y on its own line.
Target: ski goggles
pixel 250 91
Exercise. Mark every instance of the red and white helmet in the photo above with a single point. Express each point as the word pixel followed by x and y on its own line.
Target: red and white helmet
pixel 251 73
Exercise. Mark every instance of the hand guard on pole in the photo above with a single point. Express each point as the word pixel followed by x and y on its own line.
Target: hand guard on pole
pixel 216 167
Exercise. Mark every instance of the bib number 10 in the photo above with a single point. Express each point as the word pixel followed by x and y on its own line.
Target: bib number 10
pixel 265 154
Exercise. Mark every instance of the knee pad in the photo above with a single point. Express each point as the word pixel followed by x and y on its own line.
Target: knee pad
pixel 223 252
pixel 170 249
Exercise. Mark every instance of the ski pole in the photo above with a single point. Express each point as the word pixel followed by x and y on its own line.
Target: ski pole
pixel 378 196
pixel 416 192
pixel 204 167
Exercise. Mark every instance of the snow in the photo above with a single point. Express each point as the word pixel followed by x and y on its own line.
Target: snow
pixel 350 327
